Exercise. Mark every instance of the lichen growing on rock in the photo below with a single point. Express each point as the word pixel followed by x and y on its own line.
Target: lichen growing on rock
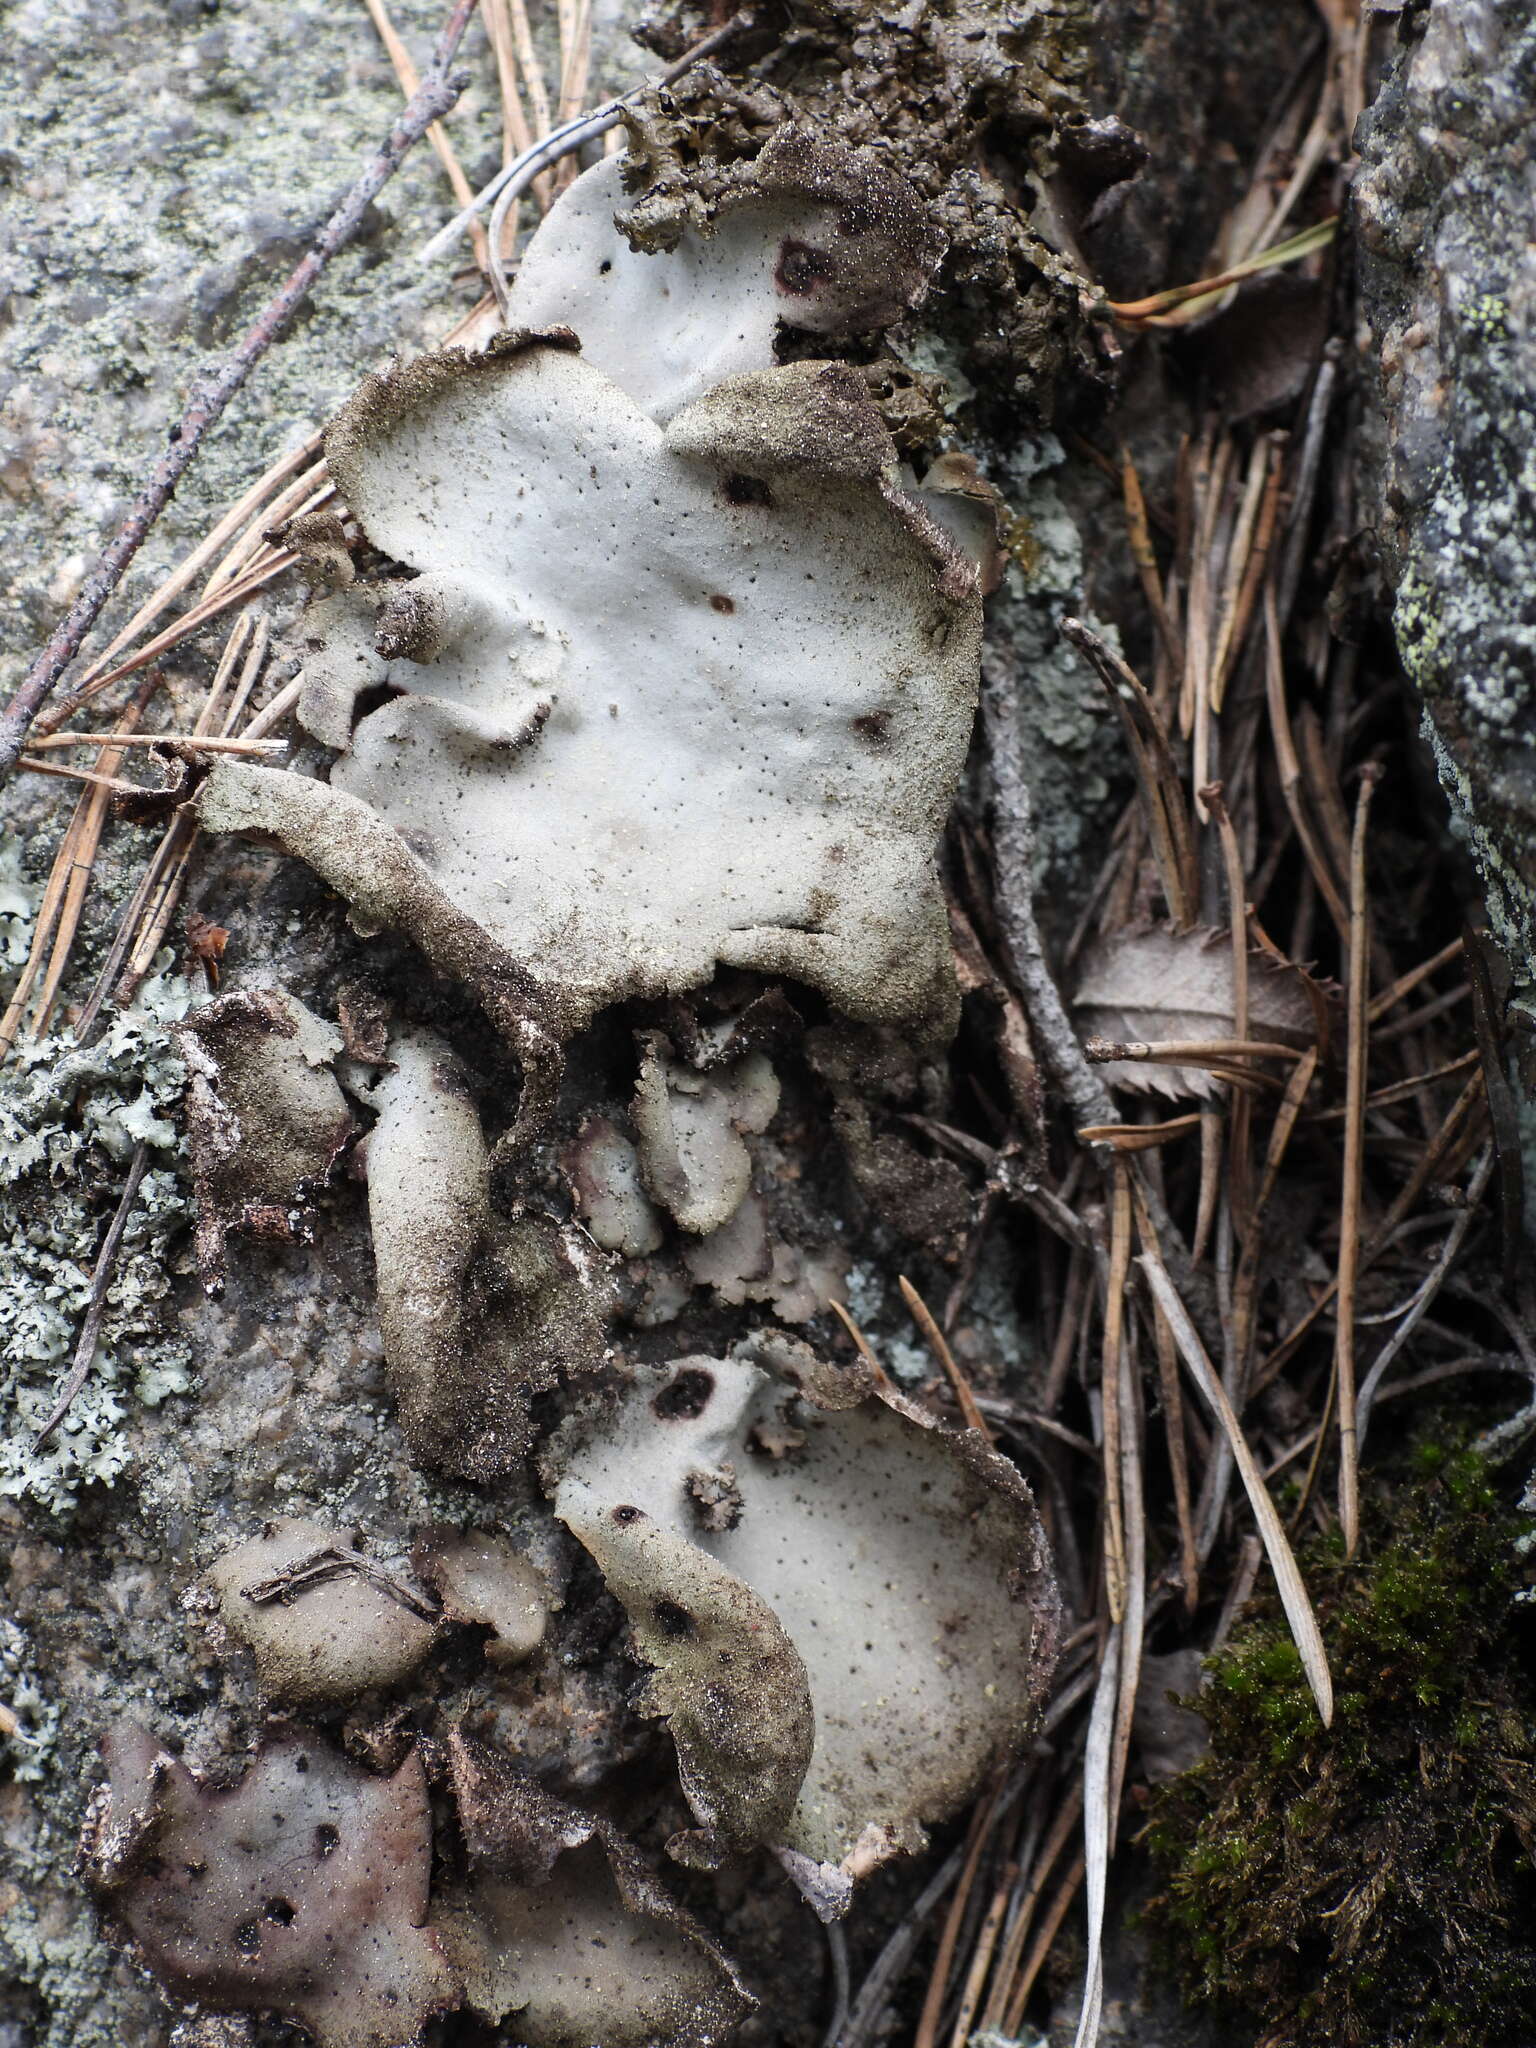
pixel 844 1651
pixel 266 1118
pixel 302 1890
pixel 562 1927
pixel 70 1120
pixel 479 1311
pixel 924 86
pixel 321 1623
pixel 1370 1885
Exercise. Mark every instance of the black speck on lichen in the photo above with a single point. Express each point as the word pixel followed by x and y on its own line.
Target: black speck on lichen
pixel 1370 1886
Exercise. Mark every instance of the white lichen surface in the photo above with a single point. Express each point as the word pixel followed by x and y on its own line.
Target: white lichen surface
pixel 893 1570
pixel 672 684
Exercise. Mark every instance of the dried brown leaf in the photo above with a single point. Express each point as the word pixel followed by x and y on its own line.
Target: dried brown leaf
pixel 1151 983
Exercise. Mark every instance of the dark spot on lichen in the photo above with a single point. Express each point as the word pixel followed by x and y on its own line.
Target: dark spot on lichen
pixel 671 1619
pixel 801 268
pixel 280 1910
pixel 722 604
pixel 248 1938
pixel 625 1515
pixel 327 1839
pixel 874 726
pixel 684 1397
pixel 746 490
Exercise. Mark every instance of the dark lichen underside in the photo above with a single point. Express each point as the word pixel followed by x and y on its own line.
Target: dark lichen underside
pixel 1372 1884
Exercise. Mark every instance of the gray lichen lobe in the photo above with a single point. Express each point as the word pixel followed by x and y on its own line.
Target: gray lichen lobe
pixel 1448 267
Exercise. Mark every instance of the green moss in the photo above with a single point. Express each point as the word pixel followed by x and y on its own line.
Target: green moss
pixel 1372 1883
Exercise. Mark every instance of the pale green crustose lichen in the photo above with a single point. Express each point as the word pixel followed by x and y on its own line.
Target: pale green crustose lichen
pixel 70 1119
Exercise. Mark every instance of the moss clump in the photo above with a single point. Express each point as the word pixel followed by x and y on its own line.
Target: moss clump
pixel 1372 1883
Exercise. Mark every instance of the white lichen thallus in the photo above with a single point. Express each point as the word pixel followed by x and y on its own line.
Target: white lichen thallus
pixel 514 178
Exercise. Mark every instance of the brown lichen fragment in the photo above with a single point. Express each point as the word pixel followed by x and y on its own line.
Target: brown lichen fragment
pixel 692 1130
pixel 964 104
pixel 563 1924
pixel 725 1677
pixel 266 1118
pixel 322 1623
pixel 478 1311
pixel 902 1565
pixel 484 1582
pixel 321 542
pixel 301 1891
pixel 716 1498
pixel 924 1199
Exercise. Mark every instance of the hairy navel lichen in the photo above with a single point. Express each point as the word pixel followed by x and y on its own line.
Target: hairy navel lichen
pixel 707 643
pixel 320 1623
pixel 846 1610
pixel 301 1890
pixel 1370 1886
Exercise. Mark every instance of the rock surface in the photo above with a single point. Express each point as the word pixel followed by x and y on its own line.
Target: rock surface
pixel 1442 211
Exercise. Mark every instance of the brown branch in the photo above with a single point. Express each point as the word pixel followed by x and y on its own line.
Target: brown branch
pixel 1013 842
pixel 1354 1160
pixel 213 392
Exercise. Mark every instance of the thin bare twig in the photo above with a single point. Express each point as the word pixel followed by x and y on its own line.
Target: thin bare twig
pixel 1354 1161
pixel 96 1310
pixel 1013 847
pixel 215 391
pixel 1424 1297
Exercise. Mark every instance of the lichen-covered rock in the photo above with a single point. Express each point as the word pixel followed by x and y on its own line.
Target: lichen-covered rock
pixel 266 1118
pixel 880 1589
pixel 563 1928
pixel 1448 273
pixel 71 1118
pixel 320 1623
pixel 301 1891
